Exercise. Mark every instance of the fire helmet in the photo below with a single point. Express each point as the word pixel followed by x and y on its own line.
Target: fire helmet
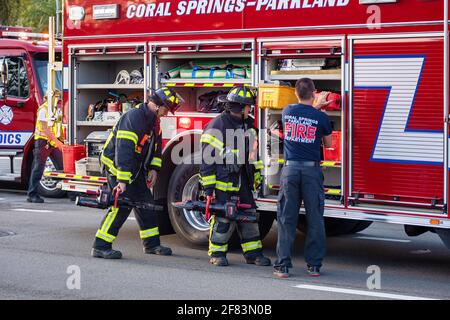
pixel 168 98
pixel 242 95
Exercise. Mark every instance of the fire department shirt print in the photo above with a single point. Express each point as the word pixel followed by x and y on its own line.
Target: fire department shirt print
pixel 304 127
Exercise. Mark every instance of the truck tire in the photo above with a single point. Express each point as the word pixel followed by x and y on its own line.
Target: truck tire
pixel 335 226
pixel 49 187
pixel 191 227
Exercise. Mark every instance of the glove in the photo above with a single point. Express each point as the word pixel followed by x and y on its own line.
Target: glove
pixel 257 180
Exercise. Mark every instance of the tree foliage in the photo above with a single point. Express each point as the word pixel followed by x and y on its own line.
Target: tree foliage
pixel 27 13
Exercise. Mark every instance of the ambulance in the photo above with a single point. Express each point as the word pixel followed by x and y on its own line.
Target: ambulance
pixel 23 84
pixel 383 62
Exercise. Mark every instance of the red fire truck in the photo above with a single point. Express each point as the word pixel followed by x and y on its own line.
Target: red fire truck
pixel 23 61
pixel 387 60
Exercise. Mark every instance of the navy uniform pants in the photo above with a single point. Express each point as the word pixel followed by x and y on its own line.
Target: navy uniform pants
pixel 115 218
pixel 42 151
pixel 301 184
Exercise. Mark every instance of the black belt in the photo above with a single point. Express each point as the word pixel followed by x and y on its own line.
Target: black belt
pixel 302 163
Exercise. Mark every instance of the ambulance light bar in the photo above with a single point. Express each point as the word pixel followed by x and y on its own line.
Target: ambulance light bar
pixel 24 35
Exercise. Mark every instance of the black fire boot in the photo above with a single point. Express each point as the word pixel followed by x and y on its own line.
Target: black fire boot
pixel 106 254
pixel 219 261
pixel 159 250
pixel 259 260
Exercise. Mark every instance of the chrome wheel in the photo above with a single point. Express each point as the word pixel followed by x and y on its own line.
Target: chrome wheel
pixel 195 219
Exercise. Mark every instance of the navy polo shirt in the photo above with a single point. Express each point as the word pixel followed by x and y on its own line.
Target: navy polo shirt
pixel 304 127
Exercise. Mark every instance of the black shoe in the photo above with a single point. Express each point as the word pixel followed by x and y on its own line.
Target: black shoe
pixel 219 261
pixel 281 272
pixel 106 254
pixel 260 260
pixel 159 250
pixel 35 199
pixel 314 271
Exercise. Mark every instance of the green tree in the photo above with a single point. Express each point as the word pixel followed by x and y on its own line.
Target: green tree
pixel 27 13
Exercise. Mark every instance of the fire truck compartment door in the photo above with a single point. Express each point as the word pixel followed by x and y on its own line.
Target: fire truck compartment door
pixel 301 48
pixel 397 128
pixel 202 47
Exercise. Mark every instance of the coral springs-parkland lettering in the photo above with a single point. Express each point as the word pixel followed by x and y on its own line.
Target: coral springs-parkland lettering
pixel 199 7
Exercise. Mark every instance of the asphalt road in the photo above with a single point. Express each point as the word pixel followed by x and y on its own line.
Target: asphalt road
pixel 37 262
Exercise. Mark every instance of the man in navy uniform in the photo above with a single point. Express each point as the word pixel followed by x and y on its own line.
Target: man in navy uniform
pixel 305 127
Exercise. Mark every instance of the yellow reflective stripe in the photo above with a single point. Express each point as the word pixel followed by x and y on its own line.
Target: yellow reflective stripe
pixel 124 175
pixel 111 135
pixel 207 138
pixel 209 180
pixel 149 233
pixel 157 162
pixel 226 187
pixel 105 236
pixel 109 220
pixel 252 245
pixel 259 165
pixel 122 134
pixel 215 248
pixel 281 161
pixel 110 164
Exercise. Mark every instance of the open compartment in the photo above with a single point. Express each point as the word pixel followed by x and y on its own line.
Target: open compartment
pixel 282 64
pixel 106 81
pixel 203 71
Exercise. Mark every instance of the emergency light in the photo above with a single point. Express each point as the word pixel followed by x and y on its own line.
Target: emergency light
pixel 25 35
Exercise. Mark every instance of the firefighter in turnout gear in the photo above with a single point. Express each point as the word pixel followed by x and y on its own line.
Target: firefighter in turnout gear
pixel 230 168
pixel 131 158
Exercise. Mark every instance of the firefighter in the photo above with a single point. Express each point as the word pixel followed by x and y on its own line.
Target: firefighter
pixel 305 127
pixel 132 157
pixel 46 145
pixel 230 168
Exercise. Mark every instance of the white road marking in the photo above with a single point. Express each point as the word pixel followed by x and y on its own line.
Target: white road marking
pixel 32 210
pixel 361 292
pixel 382 239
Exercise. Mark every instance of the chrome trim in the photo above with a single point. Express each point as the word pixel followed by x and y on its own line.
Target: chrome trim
pixel 368 214
pixel 209 41
pixel 446 107
pixel 306 38
pixel 305 28
pixel 113 45
pixel 350 117
pixel 395 35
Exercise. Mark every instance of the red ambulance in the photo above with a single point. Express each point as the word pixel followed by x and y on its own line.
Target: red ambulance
pixel 23 61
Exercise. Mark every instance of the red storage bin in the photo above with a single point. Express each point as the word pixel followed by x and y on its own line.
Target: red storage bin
pixel 72 154
pixel 335 105
pixel 333 153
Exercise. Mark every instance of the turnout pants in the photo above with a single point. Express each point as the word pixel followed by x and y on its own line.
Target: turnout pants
pixel 113 221
pixel 300 183
pixel 42 151
pixel 221 229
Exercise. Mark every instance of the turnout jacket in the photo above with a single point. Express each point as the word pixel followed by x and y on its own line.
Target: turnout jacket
pixel 128 146
pixel 222 173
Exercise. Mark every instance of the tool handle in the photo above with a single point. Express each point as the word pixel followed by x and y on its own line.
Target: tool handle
pixel 116 198
pixel 209 200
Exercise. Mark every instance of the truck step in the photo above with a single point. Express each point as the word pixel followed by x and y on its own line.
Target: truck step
pixel 12 177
